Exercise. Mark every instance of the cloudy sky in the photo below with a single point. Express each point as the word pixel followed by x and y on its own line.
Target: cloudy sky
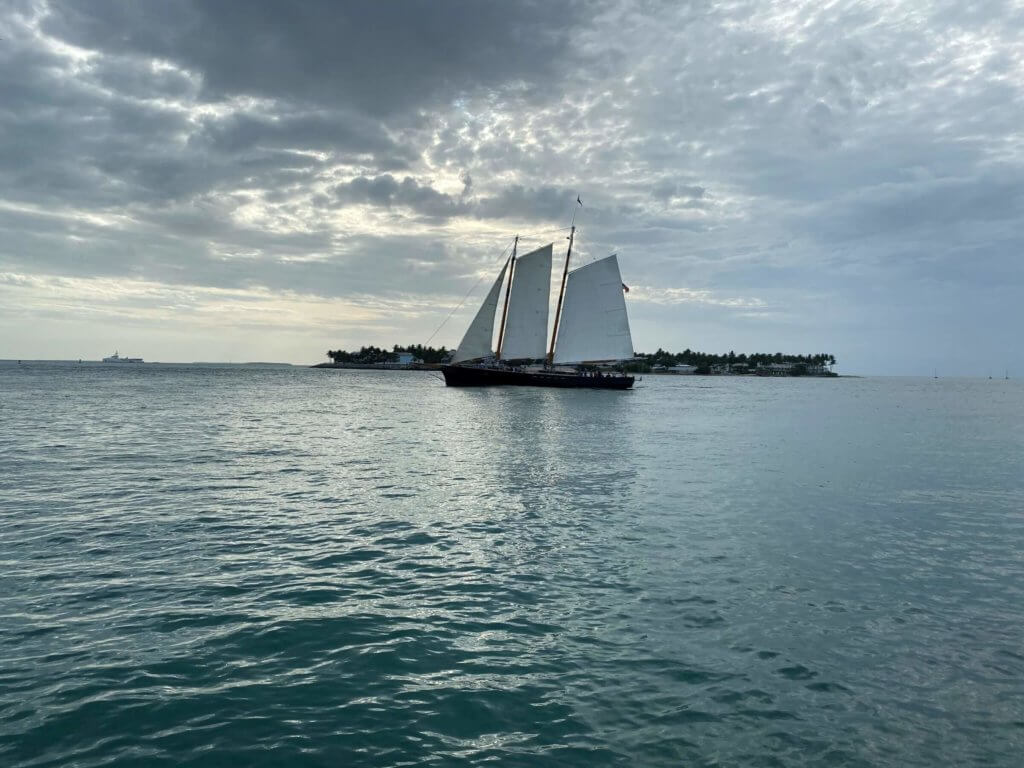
pixel 263 181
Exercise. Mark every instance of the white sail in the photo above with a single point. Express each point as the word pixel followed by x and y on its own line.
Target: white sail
pixel 477 341
pixel 526 328
pixel 594 325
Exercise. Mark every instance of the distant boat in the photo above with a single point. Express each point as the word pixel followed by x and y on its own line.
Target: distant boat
pixel 590 327
pixel 116 358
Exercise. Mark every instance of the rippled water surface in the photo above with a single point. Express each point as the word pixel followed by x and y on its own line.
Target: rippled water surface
pixel 254 566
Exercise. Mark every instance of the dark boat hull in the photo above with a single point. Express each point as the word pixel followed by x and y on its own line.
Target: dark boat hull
pixel 469 376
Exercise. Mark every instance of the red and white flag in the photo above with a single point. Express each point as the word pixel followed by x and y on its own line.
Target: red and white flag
pixel 625 288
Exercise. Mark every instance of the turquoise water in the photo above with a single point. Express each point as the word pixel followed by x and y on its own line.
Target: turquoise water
pixel 228 566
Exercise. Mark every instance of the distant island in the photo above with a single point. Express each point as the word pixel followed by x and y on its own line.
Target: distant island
pixel 730 363
pixel 417 356
pixel 412 354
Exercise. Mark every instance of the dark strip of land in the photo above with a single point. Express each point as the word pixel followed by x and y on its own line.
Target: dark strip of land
pixel 416 356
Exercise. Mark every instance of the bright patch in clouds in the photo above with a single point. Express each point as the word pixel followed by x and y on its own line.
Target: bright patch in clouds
pixel 689 296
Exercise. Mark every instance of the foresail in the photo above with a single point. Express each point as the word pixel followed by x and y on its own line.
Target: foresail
pixel 594 325
pixel 526 328
pixel 477 341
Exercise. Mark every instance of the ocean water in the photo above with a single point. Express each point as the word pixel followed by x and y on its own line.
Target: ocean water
pixel 227 566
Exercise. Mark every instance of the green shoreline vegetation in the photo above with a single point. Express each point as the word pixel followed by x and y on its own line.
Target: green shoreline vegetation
pixel 762 363
pixel 688 361
pixel 375 355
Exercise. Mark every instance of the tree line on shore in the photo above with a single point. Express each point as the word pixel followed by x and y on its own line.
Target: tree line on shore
pixel 643 361
pixel 372 355
pixel 704 361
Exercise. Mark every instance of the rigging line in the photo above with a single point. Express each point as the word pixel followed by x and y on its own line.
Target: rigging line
pixel 545 231
pixel 584 252
pixel 538 235
pixel 459 305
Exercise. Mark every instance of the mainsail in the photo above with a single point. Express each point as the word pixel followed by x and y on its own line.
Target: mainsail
pixel 594 325
pixel 527 325
pixel 477 341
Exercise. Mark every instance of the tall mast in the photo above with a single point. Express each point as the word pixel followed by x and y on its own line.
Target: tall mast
pixel 508 290
pixel 561 295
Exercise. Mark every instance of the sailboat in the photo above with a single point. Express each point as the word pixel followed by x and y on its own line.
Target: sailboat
pixel 590 327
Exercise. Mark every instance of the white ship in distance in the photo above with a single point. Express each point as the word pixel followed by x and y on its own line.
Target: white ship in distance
pixel 116 358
